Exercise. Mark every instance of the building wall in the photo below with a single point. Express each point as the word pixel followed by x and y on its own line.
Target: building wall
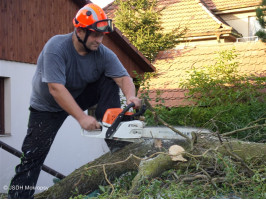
pixel 27 25
pixel 70 149
pixel 239 21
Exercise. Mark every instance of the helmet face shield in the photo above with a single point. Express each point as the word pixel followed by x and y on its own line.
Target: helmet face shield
pixel 104 26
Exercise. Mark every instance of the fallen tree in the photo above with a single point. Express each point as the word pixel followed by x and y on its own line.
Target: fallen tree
pixel 151 158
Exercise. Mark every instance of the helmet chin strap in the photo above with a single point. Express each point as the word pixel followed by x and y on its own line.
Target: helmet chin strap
pixel 83 42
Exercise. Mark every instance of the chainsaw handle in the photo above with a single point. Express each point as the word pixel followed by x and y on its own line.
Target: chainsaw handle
pixel 138 113
pixel 131 105
pixel 141 111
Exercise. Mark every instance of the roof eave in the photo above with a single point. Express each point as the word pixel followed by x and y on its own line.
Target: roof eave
pixel 214 34
pixel 237 10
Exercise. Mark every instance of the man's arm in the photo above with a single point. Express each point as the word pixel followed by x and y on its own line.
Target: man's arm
pixel 128 88
pixel 68 103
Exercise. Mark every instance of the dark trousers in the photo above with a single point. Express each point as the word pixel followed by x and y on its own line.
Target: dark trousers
pixel 43 127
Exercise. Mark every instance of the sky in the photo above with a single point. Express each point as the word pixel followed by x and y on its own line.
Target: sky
pixel 102 3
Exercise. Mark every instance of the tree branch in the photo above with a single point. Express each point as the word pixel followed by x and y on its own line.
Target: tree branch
pixel 163 122
pixel 243 129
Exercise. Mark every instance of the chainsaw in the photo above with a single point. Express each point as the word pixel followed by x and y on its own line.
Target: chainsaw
pixel 120 124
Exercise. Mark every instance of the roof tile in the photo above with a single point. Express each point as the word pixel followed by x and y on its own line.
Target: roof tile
pixel 190 14
pixel 194 16
pixel 230 4
pixel 251 58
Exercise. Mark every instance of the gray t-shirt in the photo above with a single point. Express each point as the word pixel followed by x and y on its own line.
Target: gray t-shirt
pixel 59 62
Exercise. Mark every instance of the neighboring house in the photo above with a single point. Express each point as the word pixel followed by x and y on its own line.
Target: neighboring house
pixel 25 28
pixel 212 26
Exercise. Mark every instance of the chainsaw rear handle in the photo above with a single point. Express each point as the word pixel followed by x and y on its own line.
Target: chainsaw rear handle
pixel 111 130
pixel 138 113
pixel 141 111
pixel 131 105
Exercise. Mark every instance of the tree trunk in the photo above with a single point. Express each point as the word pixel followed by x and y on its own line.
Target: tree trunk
pixel 85 179
pixel 150 161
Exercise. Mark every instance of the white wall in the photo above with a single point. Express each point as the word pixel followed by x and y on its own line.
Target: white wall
pixel 69 151
pixel 239 21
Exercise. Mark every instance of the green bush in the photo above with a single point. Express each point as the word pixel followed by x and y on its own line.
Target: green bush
pixel 222 84
pixel 226 117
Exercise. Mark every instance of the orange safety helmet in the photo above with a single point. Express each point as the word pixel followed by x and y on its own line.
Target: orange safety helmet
pixel 92 17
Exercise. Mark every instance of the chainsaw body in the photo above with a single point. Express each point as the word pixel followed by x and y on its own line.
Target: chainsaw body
pixel 118 124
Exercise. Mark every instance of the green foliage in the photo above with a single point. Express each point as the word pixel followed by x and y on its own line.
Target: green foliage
pixel 221 84
pixel 121 187
pixel 261 34
pixel 260 13
pixel 170 184
pixel 139 20
pixel 226 117
pixel 142 82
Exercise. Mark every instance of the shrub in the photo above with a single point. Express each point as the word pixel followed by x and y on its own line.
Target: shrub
pixel 221 83
pixel 226 117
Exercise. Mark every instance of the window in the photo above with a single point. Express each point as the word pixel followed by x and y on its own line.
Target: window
pixel 5 106
pixel 2 106
pixel 253 26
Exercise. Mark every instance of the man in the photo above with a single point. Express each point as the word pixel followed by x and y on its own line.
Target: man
pixel 74 72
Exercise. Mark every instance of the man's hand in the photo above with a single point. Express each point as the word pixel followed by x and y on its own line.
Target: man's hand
pixel 134 100
pixel 89 123
pixel 68 103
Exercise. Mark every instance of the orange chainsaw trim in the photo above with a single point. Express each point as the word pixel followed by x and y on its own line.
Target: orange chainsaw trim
pixel 112 113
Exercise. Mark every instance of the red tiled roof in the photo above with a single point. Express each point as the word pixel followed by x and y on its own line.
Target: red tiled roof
pixel 190 14
pixel 173 66
pixel 194 16
pixel 110 10
pixel 219 5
